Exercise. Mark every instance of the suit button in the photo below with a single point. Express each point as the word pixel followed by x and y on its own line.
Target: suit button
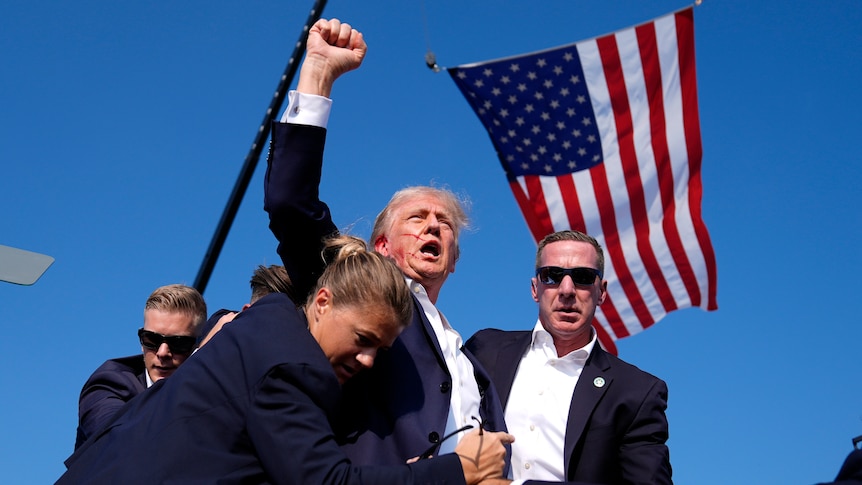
pixel 445 387
pixel 433 437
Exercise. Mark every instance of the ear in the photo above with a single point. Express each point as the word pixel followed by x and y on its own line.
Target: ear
pixel 381 245
pixel 245 307
pixel 603 292
pixel 322 302
pixel 534 289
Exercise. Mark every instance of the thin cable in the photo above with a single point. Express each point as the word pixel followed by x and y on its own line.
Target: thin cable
pixel 430 58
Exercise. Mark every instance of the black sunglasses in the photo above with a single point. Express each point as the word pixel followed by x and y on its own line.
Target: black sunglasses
pixel 179 344
pixel 553 275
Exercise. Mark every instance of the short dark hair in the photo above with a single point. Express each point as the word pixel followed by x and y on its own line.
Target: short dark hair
pixel 269 279
pixel 571 235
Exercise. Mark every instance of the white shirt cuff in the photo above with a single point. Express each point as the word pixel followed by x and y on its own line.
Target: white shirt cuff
pixel 307 109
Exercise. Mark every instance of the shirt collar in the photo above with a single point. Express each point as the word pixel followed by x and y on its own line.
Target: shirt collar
pixel 543 339
pixel 429 308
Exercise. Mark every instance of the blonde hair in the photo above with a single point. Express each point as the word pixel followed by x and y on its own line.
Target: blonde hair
pixel 358 276
pixel 179 299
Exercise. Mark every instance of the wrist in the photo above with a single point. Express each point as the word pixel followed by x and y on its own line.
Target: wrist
pixel 314 78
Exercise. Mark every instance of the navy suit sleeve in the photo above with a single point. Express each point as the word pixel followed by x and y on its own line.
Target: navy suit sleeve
pixel 104 393
pixel 303 448
pixel 297 217
pixel 644 455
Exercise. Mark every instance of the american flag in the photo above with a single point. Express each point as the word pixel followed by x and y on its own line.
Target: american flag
pixel 603 136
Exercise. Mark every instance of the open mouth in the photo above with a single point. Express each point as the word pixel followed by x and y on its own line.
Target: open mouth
pixel 431 248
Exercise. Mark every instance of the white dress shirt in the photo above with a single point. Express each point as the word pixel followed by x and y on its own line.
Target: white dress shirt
pixel 307 109
pixel 464 399
pixel 538 407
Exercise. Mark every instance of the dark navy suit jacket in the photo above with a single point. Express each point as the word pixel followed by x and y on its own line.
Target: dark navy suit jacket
pixel 252 406
pixel 616 432
pixel 397 409
pixel 851 470
pixel 107 390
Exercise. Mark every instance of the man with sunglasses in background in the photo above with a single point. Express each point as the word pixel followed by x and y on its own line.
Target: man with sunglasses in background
pixel 579 414
pixel 172 318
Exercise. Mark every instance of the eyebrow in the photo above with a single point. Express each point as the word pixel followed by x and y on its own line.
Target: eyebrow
pixel 375 339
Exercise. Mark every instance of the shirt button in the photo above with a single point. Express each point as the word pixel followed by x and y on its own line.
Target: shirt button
pixel 532 427
pixel 527 466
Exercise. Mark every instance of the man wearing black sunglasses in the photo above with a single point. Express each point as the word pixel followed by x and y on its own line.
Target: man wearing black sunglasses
pixel 172 316
pixel 578 413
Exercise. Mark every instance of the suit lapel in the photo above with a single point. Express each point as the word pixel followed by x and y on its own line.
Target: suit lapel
pixel 420 318
pixel 508 358
pixel 594 381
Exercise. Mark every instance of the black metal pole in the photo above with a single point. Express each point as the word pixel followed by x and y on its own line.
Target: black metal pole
pixel 253 156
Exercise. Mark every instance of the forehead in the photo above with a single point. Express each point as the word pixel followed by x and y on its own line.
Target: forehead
pixel 168 323
pixel 569 254
pixel 423 203
pixel 378 322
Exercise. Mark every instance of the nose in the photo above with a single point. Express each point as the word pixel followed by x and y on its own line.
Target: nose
pixel 567 286
pixel 164 351
pixel 432 224
pixel 366 358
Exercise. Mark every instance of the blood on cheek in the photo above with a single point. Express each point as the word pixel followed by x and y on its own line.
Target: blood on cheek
pixel 400 252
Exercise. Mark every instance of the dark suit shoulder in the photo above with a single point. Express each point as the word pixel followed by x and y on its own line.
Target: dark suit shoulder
pixel 627 370
pixel 487 342
pixel 211 322
pixel 493 336
pixel 122 367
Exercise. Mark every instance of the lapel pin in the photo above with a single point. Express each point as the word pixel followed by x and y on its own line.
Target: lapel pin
pixel 599 382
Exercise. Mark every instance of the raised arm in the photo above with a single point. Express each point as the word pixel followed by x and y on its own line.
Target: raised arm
pixel 298 218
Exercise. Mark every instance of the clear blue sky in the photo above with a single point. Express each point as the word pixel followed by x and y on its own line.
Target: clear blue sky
pixel 125 124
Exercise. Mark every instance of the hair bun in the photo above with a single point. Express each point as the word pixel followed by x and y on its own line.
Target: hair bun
pixel 341 247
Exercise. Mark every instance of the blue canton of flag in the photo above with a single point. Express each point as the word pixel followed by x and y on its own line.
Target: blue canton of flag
pixel 537 111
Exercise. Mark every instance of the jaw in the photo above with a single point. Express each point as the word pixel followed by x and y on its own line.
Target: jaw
pixel 429 271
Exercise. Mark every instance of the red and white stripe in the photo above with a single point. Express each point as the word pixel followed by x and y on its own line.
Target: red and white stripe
pixel 643 203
